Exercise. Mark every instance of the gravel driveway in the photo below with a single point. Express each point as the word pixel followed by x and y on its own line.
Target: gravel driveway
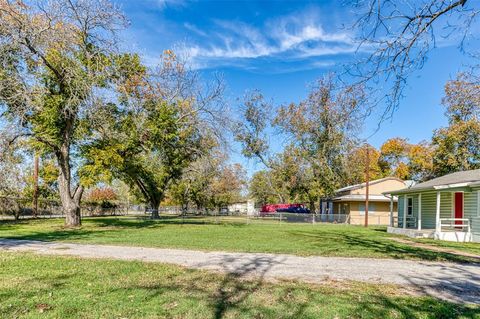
pixel 454 282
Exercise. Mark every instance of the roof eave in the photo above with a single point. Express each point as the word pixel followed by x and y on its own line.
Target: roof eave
pixel 432 188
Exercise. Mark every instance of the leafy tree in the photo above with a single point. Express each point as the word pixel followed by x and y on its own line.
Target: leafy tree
pixel 47 180
pixel 162 123
pixel 457 147
pixel 355 167
pixel 290 175
pixel 209 183
pixel 147 150
pixel 420 165
pixel 251 132
pixel 261 189
pixel 54 58
pixel 101 197
pixel 194 188
pixel 406 161
pixel 462 99
pixel 323 128
pixel 101 194
pixel 394 157
pixel 227 185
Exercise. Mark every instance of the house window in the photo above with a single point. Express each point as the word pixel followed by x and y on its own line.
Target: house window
pixel 371 208
pixel 409 206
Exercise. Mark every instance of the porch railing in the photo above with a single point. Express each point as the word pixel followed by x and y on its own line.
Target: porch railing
pixel 449 224
pixel 411 221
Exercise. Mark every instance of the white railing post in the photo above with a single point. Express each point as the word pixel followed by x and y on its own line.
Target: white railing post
pixel 419 211
pixel 437 214
pixel 405 211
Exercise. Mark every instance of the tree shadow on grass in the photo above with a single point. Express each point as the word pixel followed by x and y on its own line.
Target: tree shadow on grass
pixel 236 293
pixel 402 251
pixel 233 294
pixel 56 235
pixel 378 246
pixel 234 289
pixel 382 306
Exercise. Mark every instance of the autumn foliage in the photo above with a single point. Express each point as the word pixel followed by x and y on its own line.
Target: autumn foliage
pixel 101 195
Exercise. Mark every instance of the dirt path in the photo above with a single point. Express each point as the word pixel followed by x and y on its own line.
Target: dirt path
pixel 454 282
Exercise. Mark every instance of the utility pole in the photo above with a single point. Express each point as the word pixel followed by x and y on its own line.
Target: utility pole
pixel 367 181
pixel 35 186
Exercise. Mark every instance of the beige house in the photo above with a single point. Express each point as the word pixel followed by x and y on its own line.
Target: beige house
pixel 350 201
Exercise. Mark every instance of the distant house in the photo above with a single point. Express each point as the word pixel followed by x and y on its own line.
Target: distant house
pixel 246 207
pixel 446 207
pixel 350 201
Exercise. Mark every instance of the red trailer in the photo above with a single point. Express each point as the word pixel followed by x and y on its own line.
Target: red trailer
pixel 270 209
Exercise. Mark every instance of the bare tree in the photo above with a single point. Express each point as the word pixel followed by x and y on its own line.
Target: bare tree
pixel 398 36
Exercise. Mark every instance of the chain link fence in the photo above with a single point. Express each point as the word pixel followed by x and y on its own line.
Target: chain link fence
pixel 22 208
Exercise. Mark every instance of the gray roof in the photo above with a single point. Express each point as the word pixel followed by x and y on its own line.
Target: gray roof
pixel 458 179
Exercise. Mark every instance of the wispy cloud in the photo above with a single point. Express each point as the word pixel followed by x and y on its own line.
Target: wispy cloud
pixel 170 3
pixel 194 29
pixel 294 37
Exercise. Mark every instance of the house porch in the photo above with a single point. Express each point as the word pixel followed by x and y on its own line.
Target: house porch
pixel 429 215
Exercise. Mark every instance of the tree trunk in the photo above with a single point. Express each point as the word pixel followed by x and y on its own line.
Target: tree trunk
pixel 71 206
pixel 155 208
pixel 312 206
pixel 155 214
pixel 70 200
pixel 72 216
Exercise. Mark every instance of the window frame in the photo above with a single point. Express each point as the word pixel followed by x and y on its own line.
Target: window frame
pixel 408 206
pixel 371 208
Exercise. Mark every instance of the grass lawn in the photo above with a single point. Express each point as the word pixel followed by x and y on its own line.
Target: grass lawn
pixel 231 235
pixel 33 286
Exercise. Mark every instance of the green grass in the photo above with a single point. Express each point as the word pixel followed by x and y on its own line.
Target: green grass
pixel 231 235
pixel 33 286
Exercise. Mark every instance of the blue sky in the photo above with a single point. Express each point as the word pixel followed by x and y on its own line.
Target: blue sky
pixel 280 47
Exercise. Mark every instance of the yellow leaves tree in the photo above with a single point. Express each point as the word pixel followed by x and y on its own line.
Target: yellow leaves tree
pixel 457 146
pixel 393 157
pixel 356 165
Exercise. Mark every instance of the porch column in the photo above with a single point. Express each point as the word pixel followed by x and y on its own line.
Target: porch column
pixel 419 222
pixel 405 211
pixel 437 214
pixel 391 211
